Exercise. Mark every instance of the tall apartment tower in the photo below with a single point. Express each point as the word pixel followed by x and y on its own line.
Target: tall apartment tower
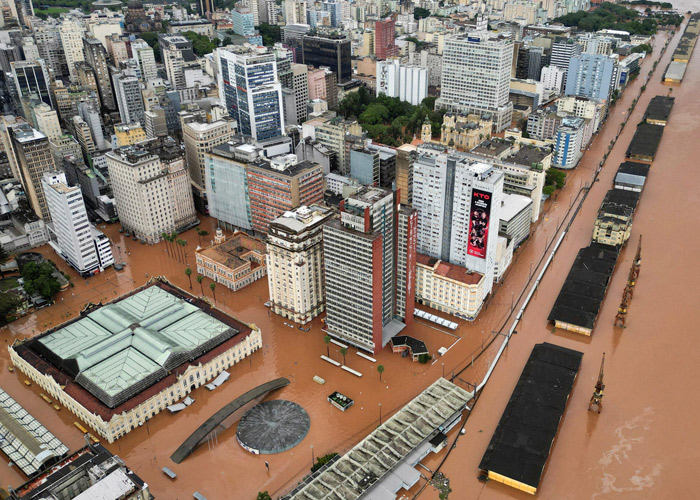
pixel 96 57
pixel 279 185
pixel 152 189
pixel 32 156
pixel 563 49
pixel 145 59
pixel 48 44
pixel 592 76
pixel 72 39
pixel 71 233
pixel 31 77
pixel 201 138
pixel 127 90
pixel 369 264
pixel 458 204
pixel 384 37
pixel 467 91
pixel 295 263
pixel 45 119
pixel 300 85
pixel 405 158
pixel 251 92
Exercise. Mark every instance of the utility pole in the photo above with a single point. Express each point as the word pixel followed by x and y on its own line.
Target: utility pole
pixel 597 398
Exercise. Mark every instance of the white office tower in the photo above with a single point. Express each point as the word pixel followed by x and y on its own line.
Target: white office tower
pixel 72 236
pixel 72 39
pixel 476 71
pixel 407 82
pixel 128 92
pixel 145 60
pixel 553 77
pixel 458 204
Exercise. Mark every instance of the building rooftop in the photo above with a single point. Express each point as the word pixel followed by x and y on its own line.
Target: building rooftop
pixel 114 356
pixel 659 108
pixel 492 148
pixel 361 472
pixel 91 473
pixel 646 141
pixel 529 156
pixel 302 218
pixel 25 442
pixel 521 443
pixel 451 271
pixel 513 204
pixel 232 252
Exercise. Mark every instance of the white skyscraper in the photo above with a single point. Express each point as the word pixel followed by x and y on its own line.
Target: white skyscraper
pixel 408 83
pixel 476 71
pixel 72 236
pixel 72 33
pixel 458 203
pixel 145 59
pixel 46 120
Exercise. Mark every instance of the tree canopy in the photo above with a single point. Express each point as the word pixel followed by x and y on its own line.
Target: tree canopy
pixel 39 278
pixel 390 120
pixel 420 13
pixel 618 17
pixel 270 34
pixel 201 44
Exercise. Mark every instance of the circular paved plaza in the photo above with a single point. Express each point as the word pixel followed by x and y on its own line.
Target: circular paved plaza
pixel 273 427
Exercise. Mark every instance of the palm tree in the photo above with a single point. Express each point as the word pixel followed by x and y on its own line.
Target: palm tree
pixel 200 278
pixel 380 369
pixel 213 286
pixel 343 351
pixel 327 340
pixel 204 233
pixel 188 272
pixel 164 236
pixel 183 244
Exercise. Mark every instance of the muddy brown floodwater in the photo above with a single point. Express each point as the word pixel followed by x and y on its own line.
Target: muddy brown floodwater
pixel 643 445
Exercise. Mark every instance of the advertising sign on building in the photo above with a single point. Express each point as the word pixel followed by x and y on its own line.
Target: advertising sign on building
pixel 479 216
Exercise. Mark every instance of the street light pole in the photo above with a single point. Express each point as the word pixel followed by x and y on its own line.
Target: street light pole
pixel 380 414
pixel 443 370
pixel 313 459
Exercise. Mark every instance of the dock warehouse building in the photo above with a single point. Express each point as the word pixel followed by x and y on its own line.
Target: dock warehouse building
pixel 520 446
pixel 384 462
pixel 119 364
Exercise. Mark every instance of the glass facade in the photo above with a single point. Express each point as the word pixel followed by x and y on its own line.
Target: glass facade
pixel 334 53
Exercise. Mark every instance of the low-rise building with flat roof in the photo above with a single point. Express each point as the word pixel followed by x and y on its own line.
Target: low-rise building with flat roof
pixel 235 262
pixel 515 217
pixel 631 176
pixel 117 365
pixel 449 288
pixel 91 473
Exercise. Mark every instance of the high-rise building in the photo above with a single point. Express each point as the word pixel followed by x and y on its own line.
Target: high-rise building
pixel 72 236
pixel 242 20
pixel 335 9
pixel 152 189
pixel 249 88
pixel 200 138
pixel 48 44
pixel 457 201
pixel 96 57
pixel 569 140
pixel 553 77
pixel 281 184
pixel 72 32
pixel 30 78
pixel 300 86
pixel 332 135
pixel 83 135
pixel 405 157
pixel 45 119
pixel 85 77
pixel 408 83
pixel 145 60
pixel 364 166
pixel 384 36
pixel 205 8
pixel 370 265
pixel 467 91
pixel 295 12
pixel 563 49
pixel 91 114
pixel 333 52
pixel 227 185
pixel 295 263
pixel 127 90
pixel 592 76
pixel 32 155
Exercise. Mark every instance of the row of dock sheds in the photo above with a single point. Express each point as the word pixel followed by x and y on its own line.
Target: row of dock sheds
pixel 581 297
pixel 684 51
pixel 519 449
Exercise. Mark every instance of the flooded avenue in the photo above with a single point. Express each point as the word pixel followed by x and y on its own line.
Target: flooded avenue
pixel 643 445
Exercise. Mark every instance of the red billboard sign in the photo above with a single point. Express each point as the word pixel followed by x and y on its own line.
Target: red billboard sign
pixel 479 217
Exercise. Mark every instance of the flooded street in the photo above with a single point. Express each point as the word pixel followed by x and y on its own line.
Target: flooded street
pixel 643 444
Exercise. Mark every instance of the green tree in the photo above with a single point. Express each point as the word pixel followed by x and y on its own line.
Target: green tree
pixel 9 302
pixel 343 351
pixel 321 461
pixel 3 255
pixel 201 45
pixel 380 369
pixel 270 33
pixel 200 278
pixel 263 495
pixel 327 340
pixel 213 286
pixel 424 358
pixel 420 13
pixel 188 272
